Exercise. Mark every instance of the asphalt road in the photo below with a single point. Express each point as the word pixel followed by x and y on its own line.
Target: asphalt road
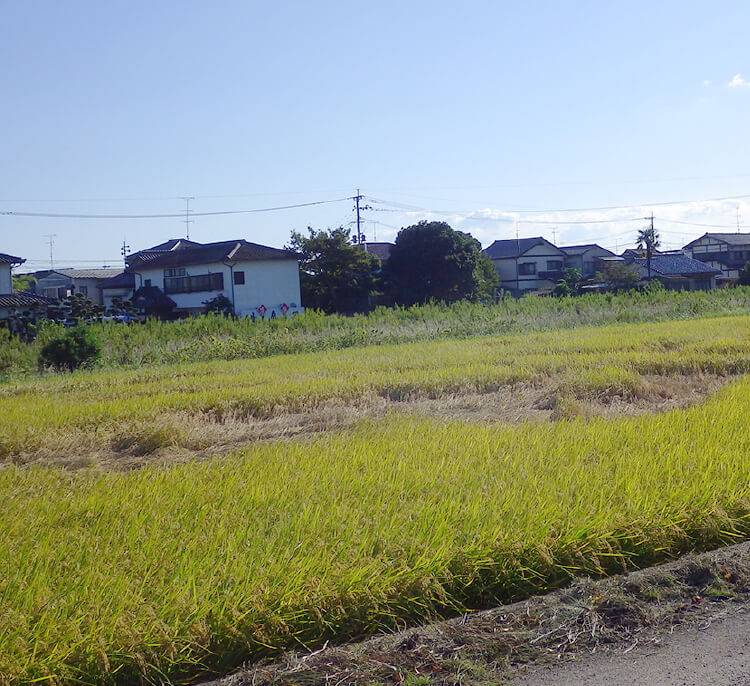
pixel 712 654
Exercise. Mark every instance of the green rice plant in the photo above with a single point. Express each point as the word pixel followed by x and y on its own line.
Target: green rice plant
pixel 163 574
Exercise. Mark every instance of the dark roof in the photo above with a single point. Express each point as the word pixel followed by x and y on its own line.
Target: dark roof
pixel 513 247
pixel 122 280
pixel 674 265
pixel 24 300
pixel 235 251
pixel 10 259
pixel 175 244
pixel 580 249
pixel 730 238
pixel 381 250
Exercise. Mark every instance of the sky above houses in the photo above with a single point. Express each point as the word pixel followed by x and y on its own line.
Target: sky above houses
pixel 492 116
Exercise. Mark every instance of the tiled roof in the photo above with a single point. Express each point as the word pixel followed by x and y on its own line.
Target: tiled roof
pixel 674 265
pixel 24 300
pixel 235 251
pixel 10 259
pixel 730 238
pixel 381 250
pixel 580 249
pixel 512 247
pixel 106 273
pixel 122 280
pixel 175 244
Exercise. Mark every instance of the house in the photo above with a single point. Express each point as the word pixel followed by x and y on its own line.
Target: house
pixel 584 258
pixel 677 272
pixel 118 288
pixel 258 280
pixel 727 252
pixel 526 264
pixel 381 250
pixel 11 303
pixel 61 283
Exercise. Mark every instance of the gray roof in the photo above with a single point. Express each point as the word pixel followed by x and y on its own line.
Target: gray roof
pixel 580 249
pixel 203 253
pixel 10 259
pixel 106 273
pixel 513 247
pixel 381 250
pixel 24 300
pixel 121 280
pixel 674 265
pixel 730 238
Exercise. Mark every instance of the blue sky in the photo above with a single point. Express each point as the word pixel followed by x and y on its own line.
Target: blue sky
pixel 473 113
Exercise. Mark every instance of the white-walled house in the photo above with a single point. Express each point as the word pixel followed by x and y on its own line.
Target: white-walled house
pixel 13 304
pixel 727 252
pixel 7 262
pixel 258 280
pixel 61 283
pixel 584 257
pixel 526 264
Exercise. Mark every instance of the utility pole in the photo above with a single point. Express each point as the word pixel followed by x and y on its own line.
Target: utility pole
pixel 187 221
pixel 359 208
pixel 124 250
pixel 51 240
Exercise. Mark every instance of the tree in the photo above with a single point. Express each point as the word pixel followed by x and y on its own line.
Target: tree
pixel 219 305
pixel 23 282
pixel 570 284
pixel 432 261
pixel 74 348
pixel 744 278
pixel 649 239
pixel 335 275
pixel 618 275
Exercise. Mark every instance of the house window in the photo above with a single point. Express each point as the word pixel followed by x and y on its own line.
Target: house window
pixel 51 292
pixel 83 290
pixel 194 284
pixel 147 283
pixel 588 267
pixel 554 265
pixel 527 268
pixel 175 271
pixel 239 278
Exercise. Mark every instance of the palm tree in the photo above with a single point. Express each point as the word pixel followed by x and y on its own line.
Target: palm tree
pixel 649 239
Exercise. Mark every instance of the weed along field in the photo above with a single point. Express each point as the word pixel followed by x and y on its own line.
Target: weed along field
pixel 168 521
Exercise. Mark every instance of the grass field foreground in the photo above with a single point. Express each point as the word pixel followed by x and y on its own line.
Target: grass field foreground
pixel 164 573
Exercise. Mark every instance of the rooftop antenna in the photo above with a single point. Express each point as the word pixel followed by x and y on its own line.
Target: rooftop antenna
pixel 738 218
pixel 187 221
pixel 554 236
pixel 51 240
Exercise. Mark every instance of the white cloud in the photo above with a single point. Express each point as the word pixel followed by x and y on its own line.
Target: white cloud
pixel 705 83
pixel 738 82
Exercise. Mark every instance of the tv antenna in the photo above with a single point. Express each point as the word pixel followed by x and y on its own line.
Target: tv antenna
pixel 51 240
pixel 187 221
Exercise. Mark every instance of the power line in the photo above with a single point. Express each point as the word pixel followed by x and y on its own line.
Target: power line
pixel 56 215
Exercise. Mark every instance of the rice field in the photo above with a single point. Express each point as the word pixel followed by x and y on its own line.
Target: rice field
pixel 172 571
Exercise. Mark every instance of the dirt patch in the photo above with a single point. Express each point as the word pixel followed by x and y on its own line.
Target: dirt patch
pixel 489 647
pixel 181 437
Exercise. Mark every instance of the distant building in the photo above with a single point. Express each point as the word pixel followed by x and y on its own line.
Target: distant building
pixel 13 304
pixel 584 258
pixel 677 272
pixel 381 250
pixel 61 283
pixel 525 265
pixel 258 280
pixel 727 252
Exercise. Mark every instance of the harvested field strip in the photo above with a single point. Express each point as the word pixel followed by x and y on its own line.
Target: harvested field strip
pixel 36 416
pixel 162 573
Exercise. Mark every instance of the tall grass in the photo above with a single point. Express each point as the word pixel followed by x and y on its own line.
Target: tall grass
pixel 217 338
pixel 163 574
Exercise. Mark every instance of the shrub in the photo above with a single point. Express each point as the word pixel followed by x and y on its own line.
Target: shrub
pixel 74 348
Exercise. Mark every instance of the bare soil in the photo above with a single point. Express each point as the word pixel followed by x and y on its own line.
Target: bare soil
pixel 578 635
pixel 184 437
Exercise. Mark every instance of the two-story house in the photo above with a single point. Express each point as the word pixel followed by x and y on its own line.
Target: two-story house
pixel 727 252
pixel 584 258
pixel 258 280
pixel 61 283
pixel 12 304
pixel 526 264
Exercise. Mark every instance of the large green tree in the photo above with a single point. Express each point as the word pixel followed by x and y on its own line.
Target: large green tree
pixel 335 275
pixel 432 261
